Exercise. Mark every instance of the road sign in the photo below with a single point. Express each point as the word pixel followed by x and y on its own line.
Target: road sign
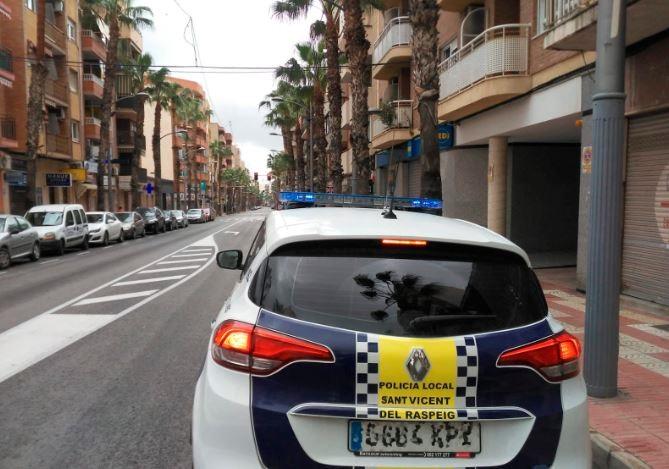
pixel 203 186
pixel 149 188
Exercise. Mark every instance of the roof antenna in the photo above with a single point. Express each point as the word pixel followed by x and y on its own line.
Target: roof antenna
pixel 388 209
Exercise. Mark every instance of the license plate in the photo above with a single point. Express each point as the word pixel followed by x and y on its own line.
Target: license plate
pixel 414 439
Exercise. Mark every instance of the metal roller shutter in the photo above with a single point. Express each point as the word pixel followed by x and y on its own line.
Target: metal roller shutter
pixel 414 178
pixel 646 233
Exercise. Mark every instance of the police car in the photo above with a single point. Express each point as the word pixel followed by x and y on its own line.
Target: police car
pixel 358 341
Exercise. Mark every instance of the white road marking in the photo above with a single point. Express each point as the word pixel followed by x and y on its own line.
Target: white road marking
pixel 50 262
pixel 83 253
pixel 120 296
pixel 188 255
pixel 185 261
pixel 236 233
pixel 170 269
pixel 107 247
pixel 40 337
pixel 196 250
pixel 148 280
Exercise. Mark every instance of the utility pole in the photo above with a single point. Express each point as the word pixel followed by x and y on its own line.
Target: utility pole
pixel 606 206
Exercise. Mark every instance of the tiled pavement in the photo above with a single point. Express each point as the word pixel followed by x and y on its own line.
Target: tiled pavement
pixel 638 419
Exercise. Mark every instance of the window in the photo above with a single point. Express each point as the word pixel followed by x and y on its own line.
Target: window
pixel 12 224
pixel 449 49
pixel 433 291
pixel 69 219
pixel 31 5
pixel 77 217
pixel 255 247
pixel 23 223
pixel 75 131
pixel 74 80
pixel 71 30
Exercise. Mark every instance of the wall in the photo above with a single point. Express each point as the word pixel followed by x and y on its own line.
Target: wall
pixel 464 184
pixel 647 75
pixel 166 151
pixel 542 202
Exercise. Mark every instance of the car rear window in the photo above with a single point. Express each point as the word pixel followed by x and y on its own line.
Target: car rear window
pixel 431 291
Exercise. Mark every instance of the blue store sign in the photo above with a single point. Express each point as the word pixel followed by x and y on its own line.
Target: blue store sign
pixel 445 134
pixel 383 159
pixel 58 179
pixel 16 178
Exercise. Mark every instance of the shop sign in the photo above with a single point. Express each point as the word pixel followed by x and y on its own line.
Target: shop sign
pixel 124 183
pixel 445 133
pixel 105 181
pixel 58 179
pixel 78 174
pixel 382 159
pixel 16 178
pixel 586 160
pixel 91 166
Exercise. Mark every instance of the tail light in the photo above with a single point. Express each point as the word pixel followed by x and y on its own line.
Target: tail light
pixel 244 347
pixel 555 358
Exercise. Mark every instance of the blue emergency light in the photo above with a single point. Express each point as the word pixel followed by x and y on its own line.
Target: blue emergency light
pixel 358 200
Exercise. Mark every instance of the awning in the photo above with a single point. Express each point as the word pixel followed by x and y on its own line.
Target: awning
pixel 88 186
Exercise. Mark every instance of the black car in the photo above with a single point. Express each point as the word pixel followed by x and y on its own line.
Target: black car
pixel 171 220
pixel 154 219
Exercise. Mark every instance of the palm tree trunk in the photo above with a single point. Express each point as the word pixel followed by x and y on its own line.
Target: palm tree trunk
pixel 287 135
pixel 140 142
pixel 320 142
pixel 157 176
pixel 299 155
pixel 107 104
pixel 357 49
pixel 335 100
pixel 424 15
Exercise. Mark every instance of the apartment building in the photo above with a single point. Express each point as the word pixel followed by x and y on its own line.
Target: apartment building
pixel 169 158
pixel 517 80
pixel 60 178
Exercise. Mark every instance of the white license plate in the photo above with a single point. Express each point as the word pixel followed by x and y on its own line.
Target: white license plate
pixel 414 439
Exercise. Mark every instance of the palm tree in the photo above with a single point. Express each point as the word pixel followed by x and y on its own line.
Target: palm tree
pixel 116 13
pixel 161 92
pixel 424 15
pixel 280 164
pixel 329 31
pixel 219 150
pixel 35 118
pixel 138 70
pixel 309 72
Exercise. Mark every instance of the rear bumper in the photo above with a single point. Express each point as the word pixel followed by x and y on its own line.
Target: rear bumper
pixel 574 449
pixel 49 245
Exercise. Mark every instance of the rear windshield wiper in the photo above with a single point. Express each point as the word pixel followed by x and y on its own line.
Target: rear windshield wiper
pixel 429 320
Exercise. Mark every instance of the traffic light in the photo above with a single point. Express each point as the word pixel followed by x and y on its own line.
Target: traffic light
pixel 255 176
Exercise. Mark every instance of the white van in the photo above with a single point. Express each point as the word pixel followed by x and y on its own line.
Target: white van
pixel 60 226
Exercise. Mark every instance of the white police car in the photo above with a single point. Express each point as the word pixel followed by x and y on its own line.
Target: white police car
pixel 353 340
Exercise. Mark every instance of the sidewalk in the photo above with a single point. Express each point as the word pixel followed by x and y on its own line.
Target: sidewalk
pixel 638 419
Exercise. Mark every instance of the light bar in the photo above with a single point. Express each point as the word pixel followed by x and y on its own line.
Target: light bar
pixel 404 242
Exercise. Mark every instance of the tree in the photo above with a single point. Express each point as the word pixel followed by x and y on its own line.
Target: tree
pixel 162 92
pixel 238 182
pixel 138 70
pixel 329 31
pixel 424 15
pixel 116 13
pixel 35 118
pixel 218 150
pixel 280 164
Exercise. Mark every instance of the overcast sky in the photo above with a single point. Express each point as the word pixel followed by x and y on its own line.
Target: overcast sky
pixel 229 33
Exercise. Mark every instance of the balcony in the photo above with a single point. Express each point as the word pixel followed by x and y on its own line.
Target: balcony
pixel 454 5
pixel 5 10
pixel 92 128
pixel 57 91
pixel 134 36
pixel 125 139
pixel 201 159
pixel 93 46
pixel 6 68
pixel 58 144
pixel 391 49
pixel 488 70
pixel 55 36
pixel 8 132
pixel 572 24
pixel 392 128
pixel 93 86
pixel 202 176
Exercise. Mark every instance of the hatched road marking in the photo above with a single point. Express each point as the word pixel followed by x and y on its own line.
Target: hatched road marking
pixel 148 280
pixel 169 269
pixel 120 296
pixel 185 261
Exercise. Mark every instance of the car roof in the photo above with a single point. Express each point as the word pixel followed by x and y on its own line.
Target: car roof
pixel 310 224
pixel 56 207
pixel 96 213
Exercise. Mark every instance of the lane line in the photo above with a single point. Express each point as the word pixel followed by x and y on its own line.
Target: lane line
pixel 83 253
pixel 148 280
pixel 51 261
pixel 29 342
pixel 107 247
pixel 169 269
pixel 188 255
pixel 120 296
pixel 185 261
pixel 196 250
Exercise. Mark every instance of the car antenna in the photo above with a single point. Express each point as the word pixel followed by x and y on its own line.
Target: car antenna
pixel 388 209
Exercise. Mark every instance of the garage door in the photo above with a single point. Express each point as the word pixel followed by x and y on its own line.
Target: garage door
pixel 646 234
pixel 414 178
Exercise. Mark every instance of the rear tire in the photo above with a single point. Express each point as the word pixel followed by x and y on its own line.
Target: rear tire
pixel 4 258
pixel 60 250
pixel 36 254
pixel 134 234
pixel 121 237
pixel 105 239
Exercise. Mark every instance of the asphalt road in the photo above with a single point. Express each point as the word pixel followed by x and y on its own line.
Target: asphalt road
pixel 99 352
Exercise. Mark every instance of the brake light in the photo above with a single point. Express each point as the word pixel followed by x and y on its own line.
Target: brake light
pixel 403 242
pixel 244 347
pixel 555 358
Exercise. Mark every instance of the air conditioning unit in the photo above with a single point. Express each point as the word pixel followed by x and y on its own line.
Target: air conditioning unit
pixel 59 6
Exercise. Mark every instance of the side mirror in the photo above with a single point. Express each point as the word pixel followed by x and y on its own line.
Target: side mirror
pixel 231 259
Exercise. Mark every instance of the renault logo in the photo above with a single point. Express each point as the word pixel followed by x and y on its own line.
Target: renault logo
pixel 417 364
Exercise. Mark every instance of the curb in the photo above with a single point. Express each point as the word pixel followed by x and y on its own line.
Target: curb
pixel 608 455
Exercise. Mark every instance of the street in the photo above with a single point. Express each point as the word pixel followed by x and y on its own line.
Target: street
pixel 98 359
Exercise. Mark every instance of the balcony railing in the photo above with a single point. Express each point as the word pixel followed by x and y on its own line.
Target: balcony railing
pixel 57 144
pixel 95 37
pixel 7 128
pixel 554 12
pixel 396 33
pixel 6 62
pixel 55 34
pixel 498 51
pixel 92 121
pixel 125 137
pixel 58 90
pixel 401 118
pixel 94 78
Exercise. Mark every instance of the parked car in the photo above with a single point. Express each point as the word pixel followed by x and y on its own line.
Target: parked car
pixel 59 226
pixel 133 224
pixel 17 239
pixel 170 220
pixel 209 214
pixel 196 215
pixel 103 228
pixel 182 221
pixel 154 219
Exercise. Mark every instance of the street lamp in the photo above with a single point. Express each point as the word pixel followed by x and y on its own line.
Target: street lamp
pixel 311 134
